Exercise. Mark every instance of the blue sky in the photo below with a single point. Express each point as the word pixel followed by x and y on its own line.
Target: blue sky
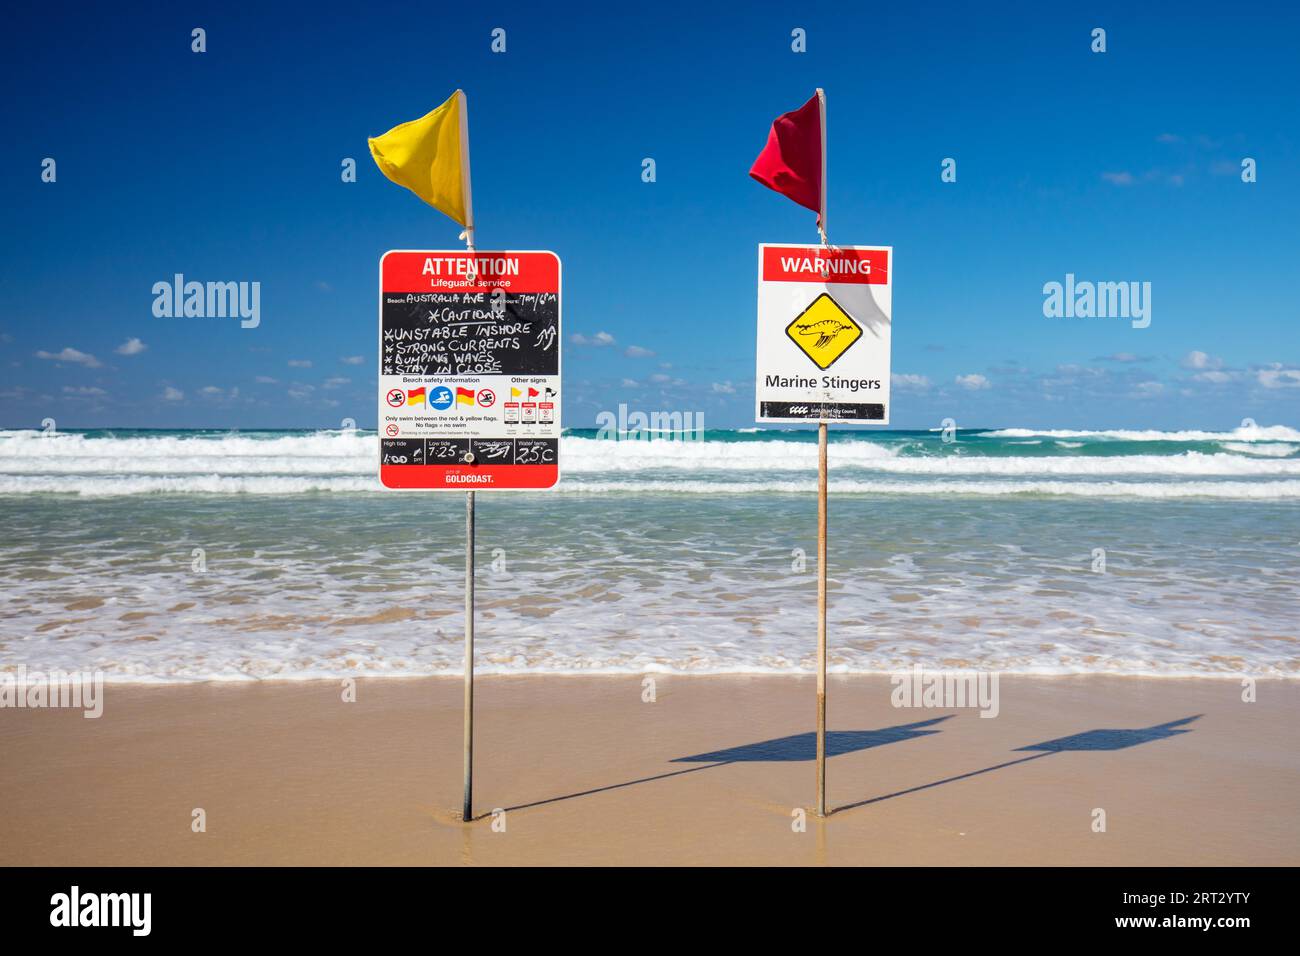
pixel 1122 166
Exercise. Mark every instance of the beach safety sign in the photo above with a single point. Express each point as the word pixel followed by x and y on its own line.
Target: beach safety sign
pixel 469 370
pixel 824 316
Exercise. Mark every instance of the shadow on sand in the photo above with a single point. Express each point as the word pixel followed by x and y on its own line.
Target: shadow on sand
pixel 794 747
pixel 1089 740
pixel 804 746
pixel 801 747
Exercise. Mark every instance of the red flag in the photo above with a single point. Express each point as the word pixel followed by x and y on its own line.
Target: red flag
pixel 791 162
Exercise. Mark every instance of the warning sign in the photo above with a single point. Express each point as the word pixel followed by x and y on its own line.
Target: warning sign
pixel 457 330
pixel 823 333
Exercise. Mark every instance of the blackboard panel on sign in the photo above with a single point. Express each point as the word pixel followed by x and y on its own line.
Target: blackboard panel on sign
pixel 402 451
pixel 470 333
pixel 441 451
pixel 535 451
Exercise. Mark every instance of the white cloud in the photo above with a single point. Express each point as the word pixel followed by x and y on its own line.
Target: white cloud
pixel 1213 376
pixel 724 388
pixel 172 394
pixel 599 339
pixel 353 359
pixel 636 351
pixel 1278 376
pixel 72 357
pixel 299 363
pixel 630 383
pixel 131 346
pixel 266 380
pixel 336 382
pixel 1124 178
pixel 88 391
pixel 664 379
pixel 1195 359
pixel 973 382
pixel 905 381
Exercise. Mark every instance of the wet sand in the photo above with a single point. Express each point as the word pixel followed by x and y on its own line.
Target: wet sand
pixel 588 773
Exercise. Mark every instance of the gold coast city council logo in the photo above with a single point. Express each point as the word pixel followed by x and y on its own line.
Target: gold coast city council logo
pixel 823 331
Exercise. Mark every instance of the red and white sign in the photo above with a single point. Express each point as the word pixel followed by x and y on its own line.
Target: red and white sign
pixel 842 265
pixel 825 316
pixel 459 329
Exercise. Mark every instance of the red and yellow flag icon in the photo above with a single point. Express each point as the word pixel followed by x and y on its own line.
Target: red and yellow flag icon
pixel 464 396
pixel 415 396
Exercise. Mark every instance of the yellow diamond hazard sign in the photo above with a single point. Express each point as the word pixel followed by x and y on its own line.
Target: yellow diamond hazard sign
pixel 823 331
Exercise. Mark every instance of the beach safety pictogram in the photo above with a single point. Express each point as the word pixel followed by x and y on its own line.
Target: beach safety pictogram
pixel 823 331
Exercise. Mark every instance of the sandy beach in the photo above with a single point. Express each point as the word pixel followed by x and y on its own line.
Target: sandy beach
pixel 711 772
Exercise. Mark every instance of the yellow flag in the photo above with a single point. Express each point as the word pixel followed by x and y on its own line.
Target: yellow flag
pixel 427 156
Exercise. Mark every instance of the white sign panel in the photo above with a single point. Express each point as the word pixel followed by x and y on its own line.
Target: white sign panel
pixel 823 333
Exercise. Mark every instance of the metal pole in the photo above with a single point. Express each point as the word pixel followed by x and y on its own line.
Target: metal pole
pixel 821 619
pixel 467 812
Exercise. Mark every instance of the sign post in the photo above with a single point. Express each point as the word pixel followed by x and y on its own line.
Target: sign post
pixel 469 389
pixel 823 516
pixel 467 803
pixel 824 320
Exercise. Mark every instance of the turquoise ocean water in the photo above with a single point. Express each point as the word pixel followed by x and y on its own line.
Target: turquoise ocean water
pixel 198 555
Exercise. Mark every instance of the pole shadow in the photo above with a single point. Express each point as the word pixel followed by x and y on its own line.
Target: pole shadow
pixel 1087 741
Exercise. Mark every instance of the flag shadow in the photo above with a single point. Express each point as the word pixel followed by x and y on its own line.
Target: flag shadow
pixel 796 747
pixel 1108 739
pixel 1087 741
